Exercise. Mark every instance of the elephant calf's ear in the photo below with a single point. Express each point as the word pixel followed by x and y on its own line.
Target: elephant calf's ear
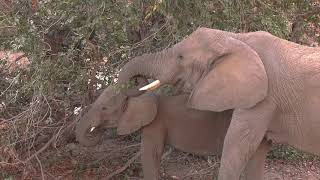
pixel 140 111
pixel 237 80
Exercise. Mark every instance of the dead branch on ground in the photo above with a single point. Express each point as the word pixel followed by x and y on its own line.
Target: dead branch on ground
pixel 115 151
pixel 128 163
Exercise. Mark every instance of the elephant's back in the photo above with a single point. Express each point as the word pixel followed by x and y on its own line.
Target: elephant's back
pixel 194 131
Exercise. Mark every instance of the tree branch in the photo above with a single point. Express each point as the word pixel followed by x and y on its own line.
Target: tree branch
pixel 128 163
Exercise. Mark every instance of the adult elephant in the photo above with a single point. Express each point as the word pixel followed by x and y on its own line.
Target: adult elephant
pixel 273 85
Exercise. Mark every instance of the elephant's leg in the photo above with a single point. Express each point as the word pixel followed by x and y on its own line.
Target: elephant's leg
pixel 245 133
pixel 255 167
pixel 152 148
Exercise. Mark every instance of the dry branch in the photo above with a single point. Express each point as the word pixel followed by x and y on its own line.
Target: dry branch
pixel 128 163
pixel 115 151
pixel 41 169
pixel 43 148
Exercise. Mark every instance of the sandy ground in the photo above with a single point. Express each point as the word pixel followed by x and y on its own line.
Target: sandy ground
pixel 77 162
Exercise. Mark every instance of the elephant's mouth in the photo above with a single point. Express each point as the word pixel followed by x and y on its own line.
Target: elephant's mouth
pixel 94 130
pixel 184 86
pixel 93 133
pixel 111 125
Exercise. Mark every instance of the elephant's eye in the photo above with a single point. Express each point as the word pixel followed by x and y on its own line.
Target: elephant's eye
pixel 180 57
pixel 104 108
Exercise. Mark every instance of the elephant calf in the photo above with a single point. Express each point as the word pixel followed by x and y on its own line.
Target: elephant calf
pixel 164 120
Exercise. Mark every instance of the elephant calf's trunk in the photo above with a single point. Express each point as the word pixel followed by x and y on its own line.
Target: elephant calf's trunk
pixel 84 136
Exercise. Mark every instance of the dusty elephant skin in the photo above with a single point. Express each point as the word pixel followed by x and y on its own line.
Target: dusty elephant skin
pixel 164 120
pixel 272 84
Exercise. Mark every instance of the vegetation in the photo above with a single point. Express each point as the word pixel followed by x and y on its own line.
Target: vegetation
pixel 75 47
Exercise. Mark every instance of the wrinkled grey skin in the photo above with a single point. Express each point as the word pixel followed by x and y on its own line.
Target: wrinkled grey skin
pixel 107 107
pixel 272 84
pixel 164 120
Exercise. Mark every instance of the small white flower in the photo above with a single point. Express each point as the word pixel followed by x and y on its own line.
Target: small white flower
pixel 77 110
pixel 123 55
pixel 99 86
pixel 2 105
pixel 100 76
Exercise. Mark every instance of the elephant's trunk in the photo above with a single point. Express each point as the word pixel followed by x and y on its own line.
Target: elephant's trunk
pixel 154 66
pixel 83 134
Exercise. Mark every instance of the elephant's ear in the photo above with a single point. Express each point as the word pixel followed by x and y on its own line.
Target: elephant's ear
pixel 237 79
pixel 140 111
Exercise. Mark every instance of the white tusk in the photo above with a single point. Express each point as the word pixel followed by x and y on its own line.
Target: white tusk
pixel 153 85
pixel 92 129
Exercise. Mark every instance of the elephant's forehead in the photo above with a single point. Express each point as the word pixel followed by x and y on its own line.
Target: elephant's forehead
pixel 111 90
pixel 108 95
pixel 202 36
pixel 196 41
pixel 188 45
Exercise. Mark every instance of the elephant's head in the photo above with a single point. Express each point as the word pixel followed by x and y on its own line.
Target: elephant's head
pixel 224 72
pixel 113 108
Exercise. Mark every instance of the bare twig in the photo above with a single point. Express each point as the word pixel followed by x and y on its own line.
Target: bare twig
pixel 41 169
pixel 167 153
pixel 114 151
pixel 297 24
pixel 269 7
pixel 43 148
pixel 128 163
pixel 203 171
pixel 316 10
pixel 54 23
pixel 49 174
pixel 11 83
pixel 138 44
pixel 49 142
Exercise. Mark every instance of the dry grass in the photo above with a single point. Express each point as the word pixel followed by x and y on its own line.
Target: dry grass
pixel 25 136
